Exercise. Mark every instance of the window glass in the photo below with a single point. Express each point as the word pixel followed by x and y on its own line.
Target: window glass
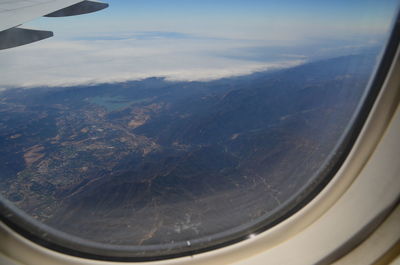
pixel 155 128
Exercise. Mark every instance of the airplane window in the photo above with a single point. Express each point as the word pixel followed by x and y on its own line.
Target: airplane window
pixel 155 129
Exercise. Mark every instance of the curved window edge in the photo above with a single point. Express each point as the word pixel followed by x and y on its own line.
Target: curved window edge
pixel 335 182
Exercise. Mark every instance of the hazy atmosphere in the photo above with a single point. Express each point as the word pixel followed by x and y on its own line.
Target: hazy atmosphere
pixel 192 40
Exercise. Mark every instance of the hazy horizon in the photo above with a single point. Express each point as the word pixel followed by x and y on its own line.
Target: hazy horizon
pixel 192 40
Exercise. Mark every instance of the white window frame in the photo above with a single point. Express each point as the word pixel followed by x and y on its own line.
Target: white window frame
pixel 354 220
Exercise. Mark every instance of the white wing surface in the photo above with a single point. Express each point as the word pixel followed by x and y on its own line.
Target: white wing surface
pixel 13 13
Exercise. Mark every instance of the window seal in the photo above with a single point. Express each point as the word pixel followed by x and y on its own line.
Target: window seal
pixel 19 224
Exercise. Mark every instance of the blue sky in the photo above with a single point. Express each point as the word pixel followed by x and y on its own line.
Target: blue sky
pixel 194 39
pixel 237 18
pixel 349 9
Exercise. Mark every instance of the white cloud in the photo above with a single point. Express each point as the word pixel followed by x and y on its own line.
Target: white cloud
pixel 64 62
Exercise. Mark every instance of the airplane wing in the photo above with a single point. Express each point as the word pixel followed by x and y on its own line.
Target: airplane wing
pixel 13 13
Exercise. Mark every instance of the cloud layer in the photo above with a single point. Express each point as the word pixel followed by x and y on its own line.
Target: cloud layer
pixel 132 56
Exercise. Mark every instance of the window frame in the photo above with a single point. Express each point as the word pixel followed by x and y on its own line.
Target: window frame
pixel 352 176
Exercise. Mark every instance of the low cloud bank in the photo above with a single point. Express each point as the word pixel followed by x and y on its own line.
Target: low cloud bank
pixel 105 60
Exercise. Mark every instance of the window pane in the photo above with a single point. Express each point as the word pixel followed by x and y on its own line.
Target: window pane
pixel 160 127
